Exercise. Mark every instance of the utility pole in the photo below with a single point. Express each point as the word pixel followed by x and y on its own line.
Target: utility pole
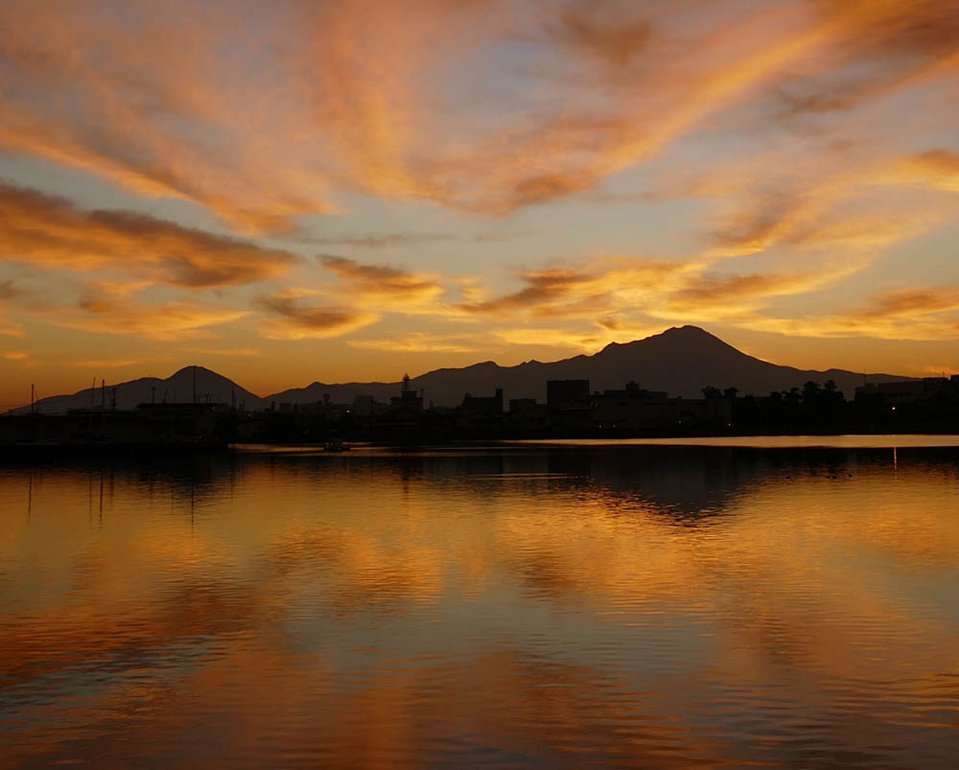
pixel 93 395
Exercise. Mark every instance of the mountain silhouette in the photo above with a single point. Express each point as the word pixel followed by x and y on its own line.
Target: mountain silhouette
pixel 178 387
pixel 680 361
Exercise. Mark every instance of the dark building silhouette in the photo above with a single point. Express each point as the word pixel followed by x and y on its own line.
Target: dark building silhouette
pixel 636 409
pixel 158 425
pixel 409 401
pixel 527 416
pixel 365 405
pixel 490 406
pixel 567 394
pixel 910 391
pixel 523 405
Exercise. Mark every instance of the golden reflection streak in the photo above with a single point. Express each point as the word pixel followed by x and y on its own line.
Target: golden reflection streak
pixel 618 553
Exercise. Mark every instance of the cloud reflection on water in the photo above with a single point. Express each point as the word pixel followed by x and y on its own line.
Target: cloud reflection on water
pixel 536 607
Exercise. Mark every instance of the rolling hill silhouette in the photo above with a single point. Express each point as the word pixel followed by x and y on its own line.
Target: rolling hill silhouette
pixel 178 387
pixel 681 361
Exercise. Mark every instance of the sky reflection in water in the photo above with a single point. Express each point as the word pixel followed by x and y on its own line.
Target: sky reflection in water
pixel 526 607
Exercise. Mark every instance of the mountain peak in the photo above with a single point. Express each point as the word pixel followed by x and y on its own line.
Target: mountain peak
pixel 685 331
pixel 689 336
pixel 194 367
pixel 682 335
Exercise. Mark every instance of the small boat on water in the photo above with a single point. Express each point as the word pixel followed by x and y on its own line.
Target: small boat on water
pixel 335 445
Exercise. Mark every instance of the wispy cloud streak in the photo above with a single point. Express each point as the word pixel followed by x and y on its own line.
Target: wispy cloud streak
pixel 293 318
pixel 268 120
pixel 48 231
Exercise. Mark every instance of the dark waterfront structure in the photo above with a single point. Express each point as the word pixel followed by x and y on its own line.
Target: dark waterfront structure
pixel 149 425
pixel 915 406
pixel 483 406
pixel 567 394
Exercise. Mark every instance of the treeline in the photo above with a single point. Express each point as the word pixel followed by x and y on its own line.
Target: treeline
pixel 818 408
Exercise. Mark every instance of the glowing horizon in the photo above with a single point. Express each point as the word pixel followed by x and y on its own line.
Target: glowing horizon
pixel 309 191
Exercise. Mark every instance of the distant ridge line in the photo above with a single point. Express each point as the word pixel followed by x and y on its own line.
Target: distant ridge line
pixel 680 361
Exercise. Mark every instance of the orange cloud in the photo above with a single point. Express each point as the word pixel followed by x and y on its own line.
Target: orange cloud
pixel 544 290
pixel 822 206
pixel 912 34
pixel 380 240
pixel 48 231
pixel 149 104
pixel 105 363
pixel 267 121
pixel 168 321
pixel 371 111
pixel 712 289
pixel 382 283
pixel 911 302
pixel 910 314
pixel 709 294
pixel 293 320
pixel 8 329
pixel 550 337
pixel 593 289
pixel 420 342
pixel 624 298
pixel 242 352
pixel 875 49
pixel 8 290
pixel 613 40
pixel 936 168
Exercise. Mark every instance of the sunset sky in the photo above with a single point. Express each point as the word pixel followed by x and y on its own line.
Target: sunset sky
pixel 298 190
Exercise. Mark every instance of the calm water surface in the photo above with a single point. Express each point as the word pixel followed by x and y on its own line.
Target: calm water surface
pixel 520 607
